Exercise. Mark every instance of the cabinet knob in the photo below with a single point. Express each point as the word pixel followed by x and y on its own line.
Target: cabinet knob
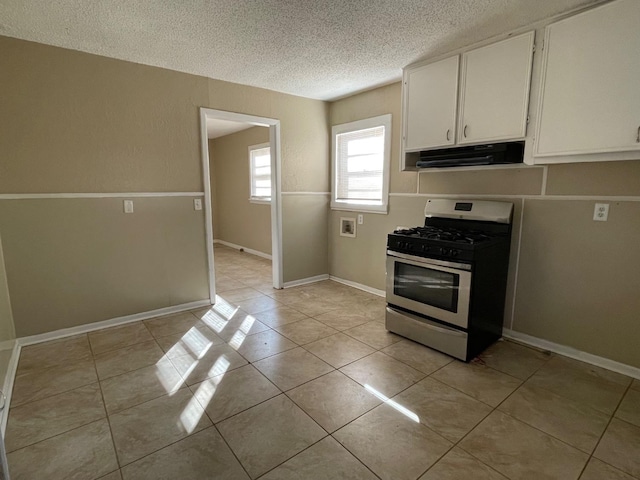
pixel 464 131
pixel 449 131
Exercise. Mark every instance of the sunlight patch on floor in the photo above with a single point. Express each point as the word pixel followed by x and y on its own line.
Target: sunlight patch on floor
pixel 241 333
pixel 392 403
pixel 193 343
pixel 166 375
pixel 194 410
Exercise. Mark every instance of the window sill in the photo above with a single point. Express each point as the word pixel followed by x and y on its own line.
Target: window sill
pixel 260 201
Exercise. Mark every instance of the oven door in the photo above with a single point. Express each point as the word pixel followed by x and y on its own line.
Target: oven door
pixel 435 288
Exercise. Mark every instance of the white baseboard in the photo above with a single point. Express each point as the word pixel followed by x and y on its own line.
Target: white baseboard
pixel 240 247
pixel 7 385
pixel 305 281
pixel 113 322
pixel 573 353
pixel 359 286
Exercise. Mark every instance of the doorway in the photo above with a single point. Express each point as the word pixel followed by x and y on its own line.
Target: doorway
pixel 276 202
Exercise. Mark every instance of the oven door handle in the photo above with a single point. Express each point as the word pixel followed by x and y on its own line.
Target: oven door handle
pixel 430 261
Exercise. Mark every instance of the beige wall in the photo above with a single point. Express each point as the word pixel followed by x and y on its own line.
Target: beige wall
pixel 577 280
pixel 75 261
pixel 73 122
pixel 305 150
pixel 7 329
pixel 306 242
pixel 238 221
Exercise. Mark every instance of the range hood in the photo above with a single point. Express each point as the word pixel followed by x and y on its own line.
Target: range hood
pixel 493 154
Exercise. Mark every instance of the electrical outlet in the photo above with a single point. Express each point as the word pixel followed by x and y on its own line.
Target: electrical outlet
pixel 360 219
pixel 128 206
pixel 601 212
pixel 197 204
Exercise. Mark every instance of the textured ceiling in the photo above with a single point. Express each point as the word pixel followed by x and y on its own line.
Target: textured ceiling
pixel 321 49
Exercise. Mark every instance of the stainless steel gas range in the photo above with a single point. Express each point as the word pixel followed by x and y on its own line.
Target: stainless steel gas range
pixel 446 281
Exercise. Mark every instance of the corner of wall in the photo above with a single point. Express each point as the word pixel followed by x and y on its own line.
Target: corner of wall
pixel 7 326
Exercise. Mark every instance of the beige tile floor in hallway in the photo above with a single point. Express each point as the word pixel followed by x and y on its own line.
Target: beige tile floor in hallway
pixel 305 383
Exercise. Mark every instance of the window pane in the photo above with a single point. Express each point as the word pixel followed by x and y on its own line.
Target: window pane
pixel 367 145
pixel 260 164
pixel 360 164
pixel 364 163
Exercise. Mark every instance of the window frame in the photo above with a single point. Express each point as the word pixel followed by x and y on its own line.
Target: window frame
pixel 359 206
pixel 252 197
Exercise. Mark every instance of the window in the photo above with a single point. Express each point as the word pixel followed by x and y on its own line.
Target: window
pixel 260 171
pixel 360 160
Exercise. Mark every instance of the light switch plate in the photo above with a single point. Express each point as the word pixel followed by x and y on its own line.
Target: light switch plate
pixel 601 212
pixel 128 206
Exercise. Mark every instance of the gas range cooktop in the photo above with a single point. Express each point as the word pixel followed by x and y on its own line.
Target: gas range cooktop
pixel 448 246
pixel 470 237
pixel 455 230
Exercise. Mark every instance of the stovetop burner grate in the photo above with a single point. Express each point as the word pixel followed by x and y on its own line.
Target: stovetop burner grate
pixel 447 234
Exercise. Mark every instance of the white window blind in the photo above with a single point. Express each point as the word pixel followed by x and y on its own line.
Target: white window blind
pixel 361 164
pixel 260 168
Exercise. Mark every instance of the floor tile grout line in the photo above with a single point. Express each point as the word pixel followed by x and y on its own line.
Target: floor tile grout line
pixel 480 460
pixel 613 415
pixel 542 431
pixel 57 435
pixel 213 425
pixel 352 453
pixel 163 447
pixel 460 391
pixel 571 399
pixel 166 394
pixel 104 406
pixel 248 408
pixel 293 456
pixel 342 426
pixel 65 431
pixel 496 409
pixel 11 407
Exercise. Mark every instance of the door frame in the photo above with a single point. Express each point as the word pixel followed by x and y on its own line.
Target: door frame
pixel 276 194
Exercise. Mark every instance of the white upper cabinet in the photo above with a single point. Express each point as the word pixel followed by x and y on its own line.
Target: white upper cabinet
pixel 493 86
pixel 590 92
pixel 494 91
pixel 430 105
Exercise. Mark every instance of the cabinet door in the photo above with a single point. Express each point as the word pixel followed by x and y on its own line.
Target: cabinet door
pixel 494 98
pixel 590 98
pixel 430 105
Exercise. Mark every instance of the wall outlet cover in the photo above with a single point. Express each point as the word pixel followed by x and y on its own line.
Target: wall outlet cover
pixel 601 212
pixel 347 227
pixel 128 206
pixel 197 204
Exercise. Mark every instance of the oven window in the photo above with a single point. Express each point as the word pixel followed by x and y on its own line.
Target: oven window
pixel 426 285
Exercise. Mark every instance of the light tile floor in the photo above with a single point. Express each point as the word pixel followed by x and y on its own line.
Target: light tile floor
pixel 306 383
